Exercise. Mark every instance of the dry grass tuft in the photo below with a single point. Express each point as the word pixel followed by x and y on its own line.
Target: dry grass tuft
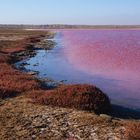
pixel 133 130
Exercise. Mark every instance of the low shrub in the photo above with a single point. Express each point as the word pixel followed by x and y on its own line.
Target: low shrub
pixel 14 81
pixel 80 96
pixel 19 45
pixel 34 39
pixel 4 58
pixel 7 92
pixel 13 46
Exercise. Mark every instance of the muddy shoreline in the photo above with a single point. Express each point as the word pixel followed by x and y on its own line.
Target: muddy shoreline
pixel 45 43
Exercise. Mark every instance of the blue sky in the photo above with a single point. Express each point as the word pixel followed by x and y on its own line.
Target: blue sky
pixel 70 12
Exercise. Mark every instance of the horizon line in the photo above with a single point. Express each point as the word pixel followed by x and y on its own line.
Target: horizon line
pixel 20 24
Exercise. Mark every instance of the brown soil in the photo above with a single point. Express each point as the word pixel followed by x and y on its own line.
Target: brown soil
pixel 20 119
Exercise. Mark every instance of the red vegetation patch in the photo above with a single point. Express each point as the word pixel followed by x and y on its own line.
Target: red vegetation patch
pixel 12 46
pixel 7 92
pixel 85 97
pixel 19 45
pixel 133 130
pixel 33 39
pixel 4 58
pixel 13 81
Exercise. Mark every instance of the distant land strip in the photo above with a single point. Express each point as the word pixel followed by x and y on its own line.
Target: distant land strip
pixel 63 26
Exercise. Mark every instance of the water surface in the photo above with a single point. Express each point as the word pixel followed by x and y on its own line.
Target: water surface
pixel 109 59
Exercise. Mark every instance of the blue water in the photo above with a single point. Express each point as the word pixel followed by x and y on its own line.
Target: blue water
pixel 53 64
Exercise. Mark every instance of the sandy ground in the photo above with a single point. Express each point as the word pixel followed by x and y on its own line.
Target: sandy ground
pixel 20 119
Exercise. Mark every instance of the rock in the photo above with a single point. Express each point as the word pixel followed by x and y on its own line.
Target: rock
pixel 39 123
pixel 18 128
pixel 46 44
pixel 33 136
pixel 33 73
pixel 35 64
pixel 105 116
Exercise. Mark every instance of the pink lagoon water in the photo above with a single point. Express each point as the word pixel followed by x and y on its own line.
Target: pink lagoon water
pixel 107 58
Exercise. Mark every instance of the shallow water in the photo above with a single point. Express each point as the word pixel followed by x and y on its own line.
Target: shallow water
pixel 109 59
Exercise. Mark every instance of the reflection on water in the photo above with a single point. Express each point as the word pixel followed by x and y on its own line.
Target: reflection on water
pixel 109 59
